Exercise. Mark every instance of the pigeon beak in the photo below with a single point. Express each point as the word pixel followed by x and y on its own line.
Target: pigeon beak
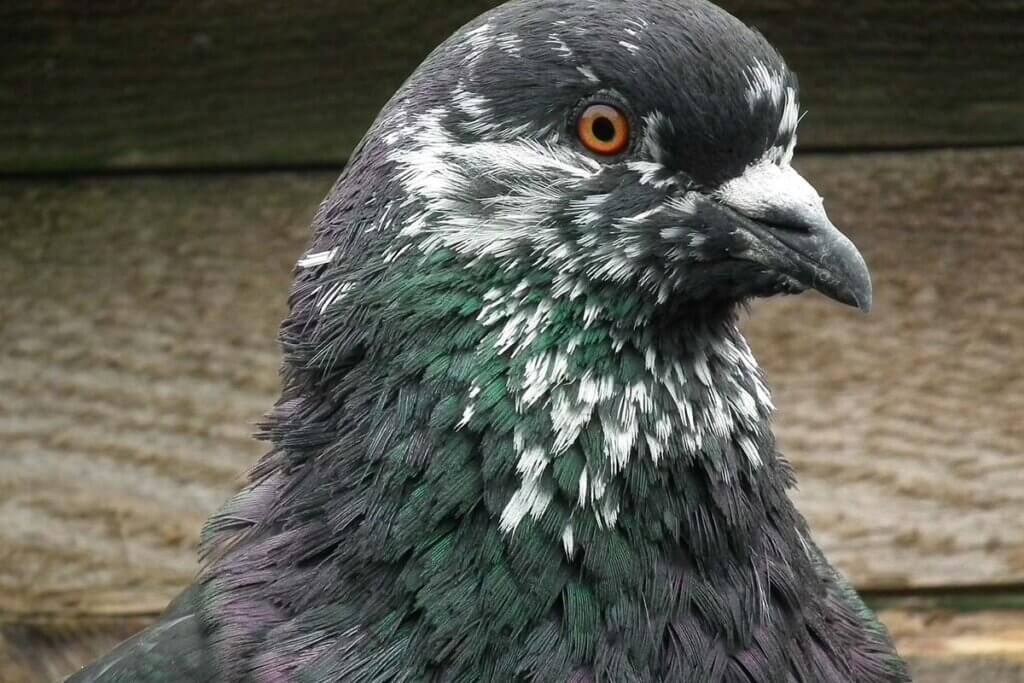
pixel 785 219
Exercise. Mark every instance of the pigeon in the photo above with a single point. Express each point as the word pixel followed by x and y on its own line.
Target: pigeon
pixel 520 435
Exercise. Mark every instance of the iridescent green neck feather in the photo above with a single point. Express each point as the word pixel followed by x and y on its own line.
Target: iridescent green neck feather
pixel 479 472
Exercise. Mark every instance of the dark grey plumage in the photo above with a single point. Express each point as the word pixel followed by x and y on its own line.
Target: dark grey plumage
pixel 520 435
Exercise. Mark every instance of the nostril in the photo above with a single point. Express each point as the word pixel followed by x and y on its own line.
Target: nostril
pixel 779 219
pixel 787 223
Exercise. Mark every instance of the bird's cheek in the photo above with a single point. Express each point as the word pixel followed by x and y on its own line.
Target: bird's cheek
pixel 699 232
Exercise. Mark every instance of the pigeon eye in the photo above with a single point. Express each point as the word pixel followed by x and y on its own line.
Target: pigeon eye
pixel 603 129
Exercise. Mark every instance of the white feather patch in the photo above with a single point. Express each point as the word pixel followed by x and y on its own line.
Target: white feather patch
pixel 319 258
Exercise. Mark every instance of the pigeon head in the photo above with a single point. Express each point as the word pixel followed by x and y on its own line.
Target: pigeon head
pixel 641 146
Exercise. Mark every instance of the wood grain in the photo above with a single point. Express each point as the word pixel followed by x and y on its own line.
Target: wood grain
pixel 130 84
pixel 48 652
pixel 137 347
pixel 941 646
pixel 138 351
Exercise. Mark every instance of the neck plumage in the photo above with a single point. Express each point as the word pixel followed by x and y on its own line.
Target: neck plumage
pixel 624 406
pixel 464 456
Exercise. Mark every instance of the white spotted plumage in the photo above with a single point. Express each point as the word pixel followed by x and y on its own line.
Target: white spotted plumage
pixel 630 414
pixel 670 401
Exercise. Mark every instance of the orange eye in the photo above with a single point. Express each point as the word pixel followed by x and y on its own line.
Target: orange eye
pixel 603 129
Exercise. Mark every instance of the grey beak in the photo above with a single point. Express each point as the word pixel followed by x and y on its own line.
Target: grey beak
pixel 791 233
pixel 820 257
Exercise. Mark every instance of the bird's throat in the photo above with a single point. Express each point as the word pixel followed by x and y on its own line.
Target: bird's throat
pixel 460 448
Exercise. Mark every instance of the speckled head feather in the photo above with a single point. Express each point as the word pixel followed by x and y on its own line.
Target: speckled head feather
pixel 520 436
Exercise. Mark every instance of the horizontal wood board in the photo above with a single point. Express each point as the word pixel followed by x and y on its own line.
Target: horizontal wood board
pixel 137 349
pixel 170 84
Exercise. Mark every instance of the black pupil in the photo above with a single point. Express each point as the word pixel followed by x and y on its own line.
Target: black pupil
pixel 603 129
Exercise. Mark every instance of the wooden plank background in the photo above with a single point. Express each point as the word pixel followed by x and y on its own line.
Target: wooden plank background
pixel 129 84
pixel 138 310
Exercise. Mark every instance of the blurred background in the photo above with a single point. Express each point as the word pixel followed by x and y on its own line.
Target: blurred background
pixel 160 163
